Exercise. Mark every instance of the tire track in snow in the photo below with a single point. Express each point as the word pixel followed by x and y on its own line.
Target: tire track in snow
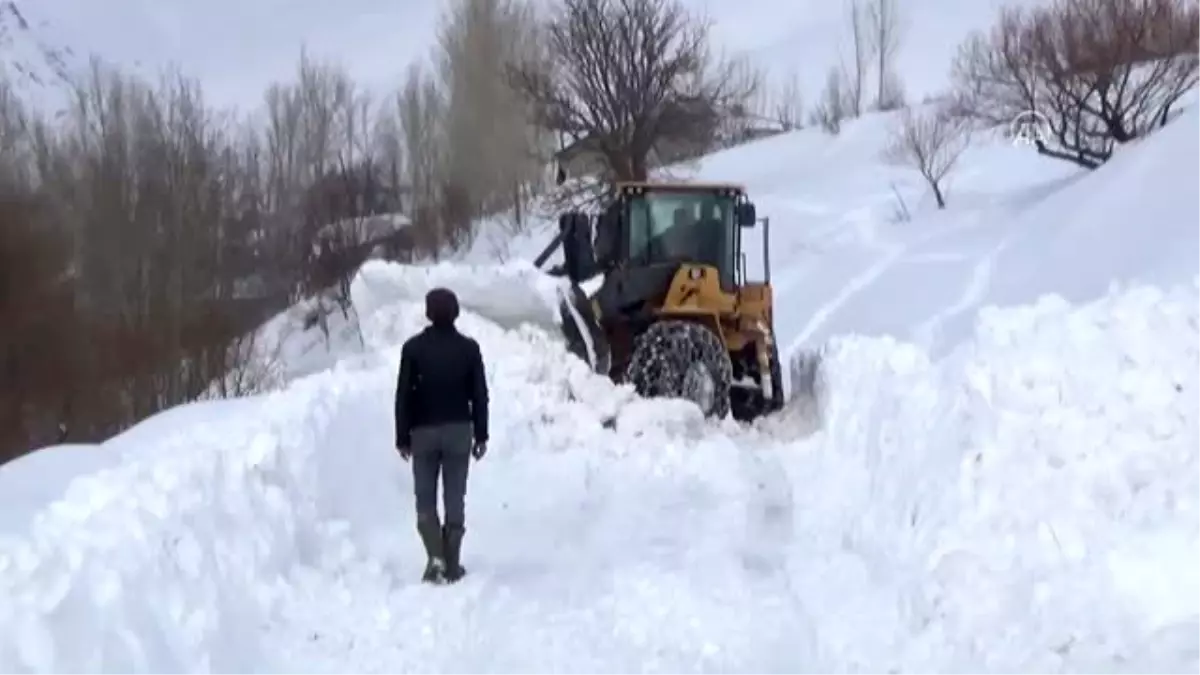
pixel 974 291
pixel 848 291
pixel 891 255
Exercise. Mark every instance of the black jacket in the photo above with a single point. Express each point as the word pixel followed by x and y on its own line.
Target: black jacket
pixel 442 380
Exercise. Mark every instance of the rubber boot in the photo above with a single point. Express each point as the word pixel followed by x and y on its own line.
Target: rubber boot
pixel 431 537
pixel 452 536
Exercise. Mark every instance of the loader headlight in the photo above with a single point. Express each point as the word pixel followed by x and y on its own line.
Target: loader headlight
pixel 696 273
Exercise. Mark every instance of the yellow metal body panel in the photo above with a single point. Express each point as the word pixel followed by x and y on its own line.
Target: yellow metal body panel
pixel 737 318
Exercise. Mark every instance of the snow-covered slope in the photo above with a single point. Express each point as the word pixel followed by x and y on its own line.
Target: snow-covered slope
pixel 1018 226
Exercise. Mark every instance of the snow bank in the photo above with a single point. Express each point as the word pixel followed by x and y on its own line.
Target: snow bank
pixel 168 561
pixel 32 481
pixel 1028 503
pixel 509 294
pixel 1079 239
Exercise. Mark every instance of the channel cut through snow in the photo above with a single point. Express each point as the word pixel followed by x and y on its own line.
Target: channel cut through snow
pixel 1026 503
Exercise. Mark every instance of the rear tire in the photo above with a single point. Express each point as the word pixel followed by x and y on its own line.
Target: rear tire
pixel 682 359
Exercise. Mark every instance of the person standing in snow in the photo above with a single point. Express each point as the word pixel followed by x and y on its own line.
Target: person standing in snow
pixel 441 422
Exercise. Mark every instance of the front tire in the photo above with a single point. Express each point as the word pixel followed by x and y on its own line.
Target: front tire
pixel 682 359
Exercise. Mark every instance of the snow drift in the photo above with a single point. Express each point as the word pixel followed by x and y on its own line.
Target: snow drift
pixel 509 294
pixel 1029 503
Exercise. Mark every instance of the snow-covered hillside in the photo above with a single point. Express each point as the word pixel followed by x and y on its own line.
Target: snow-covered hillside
pixel 1006 476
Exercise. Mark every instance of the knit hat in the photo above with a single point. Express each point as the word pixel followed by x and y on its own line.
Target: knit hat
pixel 441 307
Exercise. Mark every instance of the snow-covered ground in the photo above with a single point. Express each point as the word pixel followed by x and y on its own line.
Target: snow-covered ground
pixel 1006 477
pixel 1028 503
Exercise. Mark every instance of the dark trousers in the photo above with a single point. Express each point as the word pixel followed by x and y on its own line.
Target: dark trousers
pixel 444 450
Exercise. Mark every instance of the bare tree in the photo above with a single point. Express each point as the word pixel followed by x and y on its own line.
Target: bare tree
pixel 930 142
pixel 150 189
pixel 40 337
pixel 347 208
pixel 420 107
pixel 305 118
pixel 491 142
pixel 631 79
pixel 860 56
pixel 15 139
pixel 788 107
pixel 883 28
pixel 344 203
pixel 891 96
pixel 1099 72
pixel 320 133
pixel 832 108
pixel 741 123
pixel 285 180
pixel 143 239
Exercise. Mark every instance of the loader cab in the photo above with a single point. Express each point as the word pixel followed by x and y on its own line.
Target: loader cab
pixel 650 224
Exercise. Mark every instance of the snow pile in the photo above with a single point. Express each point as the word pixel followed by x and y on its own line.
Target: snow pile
pixel 508 294
pixel 167 561
pixel 1028 503
pixel 31 481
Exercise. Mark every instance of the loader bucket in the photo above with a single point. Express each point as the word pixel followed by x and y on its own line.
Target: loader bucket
pixel 581 328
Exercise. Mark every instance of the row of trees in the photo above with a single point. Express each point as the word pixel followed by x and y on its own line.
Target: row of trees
pixel 865 78
pixel 1091 75
pixel 143 233
pixel 1100 72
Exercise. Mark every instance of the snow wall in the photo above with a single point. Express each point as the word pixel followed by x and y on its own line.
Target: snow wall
pixel 1051 460
pixel 509 295
pixel 1031 499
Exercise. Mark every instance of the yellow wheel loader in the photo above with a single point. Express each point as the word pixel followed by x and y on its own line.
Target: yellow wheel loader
pixel 670 309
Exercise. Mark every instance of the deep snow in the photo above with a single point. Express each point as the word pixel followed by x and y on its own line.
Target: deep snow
pixel 1028 503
